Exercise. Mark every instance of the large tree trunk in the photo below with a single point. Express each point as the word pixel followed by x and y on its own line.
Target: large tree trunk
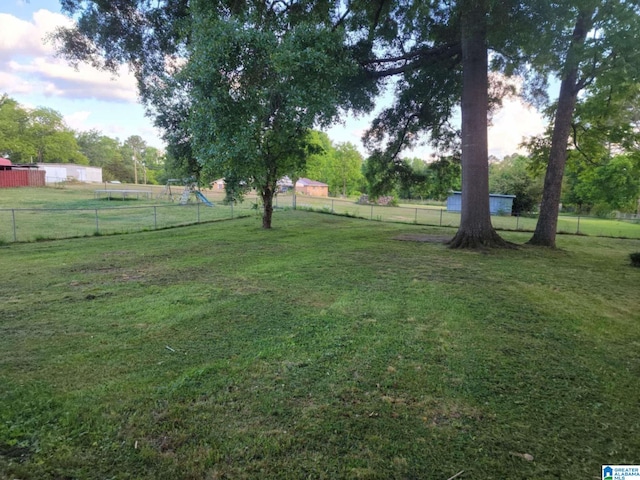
pixel 546 228
pixel 475 229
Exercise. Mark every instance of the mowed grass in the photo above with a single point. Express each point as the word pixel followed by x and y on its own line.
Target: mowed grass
pixel 439 216
pixel 35 214
pixel 72 210
pixel 324 348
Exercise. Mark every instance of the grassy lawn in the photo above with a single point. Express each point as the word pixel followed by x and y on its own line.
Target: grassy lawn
pixel 322 349
pixel 437 215
pixel 73 210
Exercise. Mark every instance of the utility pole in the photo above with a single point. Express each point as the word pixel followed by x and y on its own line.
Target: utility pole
pixel 135 169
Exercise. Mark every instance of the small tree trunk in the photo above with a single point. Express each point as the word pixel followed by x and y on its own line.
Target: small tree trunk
pixel 267 202
pixel 475 229
pixel 546 227
pixel 294 180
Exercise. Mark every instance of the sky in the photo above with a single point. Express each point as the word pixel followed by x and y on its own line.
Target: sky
pixel 90 99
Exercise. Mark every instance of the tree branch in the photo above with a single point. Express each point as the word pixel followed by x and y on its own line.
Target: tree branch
pixel 342 18
pixel 416 59
pixel 376 19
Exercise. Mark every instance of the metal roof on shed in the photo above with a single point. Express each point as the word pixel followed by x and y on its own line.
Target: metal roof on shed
pixel 305 182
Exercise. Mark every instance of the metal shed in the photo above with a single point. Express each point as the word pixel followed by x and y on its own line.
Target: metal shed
pixel 498 204
pixel 19 175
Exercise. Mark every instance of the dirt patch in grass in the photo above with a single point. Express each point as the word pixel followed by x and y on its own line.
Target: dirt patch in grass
pixel 426 238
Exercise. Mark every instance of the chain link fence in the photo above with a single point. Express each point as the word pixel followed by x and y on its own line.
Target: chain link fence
pixel 30 224
pixel 439 216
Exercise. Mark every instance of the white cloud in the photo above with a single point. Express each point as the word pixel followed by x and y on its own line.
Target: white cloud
pixel 77 120
pixel 55 77
pixel 511 124
pixel 30 65
pixel 13 84
pixel 20 37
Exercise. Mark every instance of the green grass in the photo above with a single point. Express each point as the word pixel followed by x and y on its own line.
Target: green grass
pixel 437 215
pixel 73 211
pixel 324 348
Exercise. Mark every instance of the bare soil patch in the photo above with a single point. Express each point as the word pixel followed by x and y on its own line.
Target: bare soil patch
pixel 416 237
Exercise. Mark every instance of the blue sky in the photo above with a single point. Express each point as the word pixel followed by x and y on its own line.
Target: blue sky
pixel 89 99
pixel 31 74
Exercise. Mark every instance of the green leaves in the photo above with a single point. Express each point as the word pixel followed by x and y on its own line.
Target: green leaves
pixel 258 80
pixel 37 135
pixel 339 166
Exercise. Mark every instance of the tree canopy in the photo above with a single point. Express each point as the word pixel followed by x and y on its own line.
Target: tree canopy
pixel 41 135
pixel 36 135
pixel 339 166
pixel 261 75
pixel 246 81
pixel 594 52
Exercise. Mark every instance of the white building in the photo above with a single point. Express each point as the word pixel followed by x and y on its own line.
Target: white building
pixel 62 172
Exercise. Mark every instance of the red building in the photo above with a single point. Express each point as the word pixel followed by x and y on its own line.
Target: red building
pixel 20 175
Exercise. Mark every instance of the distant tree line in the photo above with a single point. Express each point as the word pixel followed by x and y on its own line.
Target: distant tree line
pixel 592 186
pixel 41 135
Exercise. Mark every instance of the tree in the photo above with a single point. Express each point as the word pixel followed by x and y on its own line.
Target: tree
pixel 569 87
pixel 475 222
pixel 262 76
pixel 14 123
pixel 339 166
pixel 40 135
pixel 512 176
pixel 299 91
pixel 415 178
pixel 99 149
pixel 600 50
pixel 52 140
pixel 134 148
pixel 436 52
pixel 320 165
pixel 612 184
pixel 348 170
pixel 153 165
pixel 444 177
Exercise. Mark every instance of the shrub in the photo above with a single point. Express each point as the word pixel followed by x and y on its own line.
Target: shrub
pixel 635 259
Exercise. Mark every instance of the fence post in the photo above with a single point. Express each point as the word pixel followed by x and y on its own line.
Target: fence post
pixel 332 210
pixel 231 203
pixel 517 221
pixel 97 223
pixel 578 229
pixel 371 216
pixel 13 215
pixel 440 217
pixel 415 220
pixel 198 212
pixel 155 217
